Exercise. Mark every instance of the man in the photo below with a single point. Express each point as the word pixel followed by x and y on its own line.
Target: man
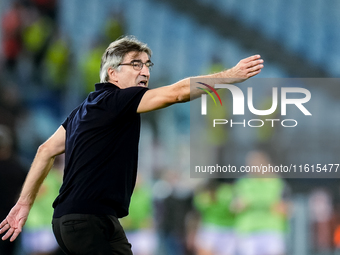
pixel 100 141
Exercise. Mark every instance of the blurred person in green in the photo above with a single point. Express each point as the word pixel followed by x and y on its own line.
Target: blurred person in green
pixel 90 64
pixel 114 27
pixel 215 235
pixel 37 236
pixel 138 225
pixel 36 37
pixel 57 63
pixel 262 207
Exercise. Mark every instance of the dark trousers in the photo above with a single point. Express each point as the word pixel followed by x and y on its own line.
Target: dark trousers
pixel 90 234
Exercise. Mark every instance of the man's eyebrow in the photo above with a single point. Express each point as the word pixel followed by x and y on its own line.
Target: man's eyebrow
pixel 139 60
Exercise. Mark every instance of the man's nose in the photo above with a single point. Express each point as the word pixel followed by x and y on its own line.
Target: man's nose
pixel 145 71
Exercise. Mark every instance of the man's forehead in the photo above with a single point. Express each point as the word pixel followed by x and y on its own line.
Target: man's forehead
pixel 135 55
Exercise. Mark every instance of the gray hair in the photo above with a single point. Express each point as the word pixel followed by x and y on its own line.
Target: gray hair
pixel 117 50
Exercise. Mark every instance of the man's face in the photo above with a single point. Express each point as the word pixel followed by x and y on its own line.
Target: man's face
pixel 127 76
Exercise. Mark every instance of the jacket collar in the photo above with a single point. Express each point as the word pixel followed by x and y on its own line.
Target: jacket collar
pixel 105 86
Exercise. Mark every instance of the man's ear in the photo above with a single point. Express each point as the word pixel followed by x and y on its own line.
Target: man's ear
pixel 112 74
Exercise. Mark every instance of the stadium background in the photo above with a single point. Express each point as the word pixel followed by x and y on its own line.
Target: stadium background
pixel 49 62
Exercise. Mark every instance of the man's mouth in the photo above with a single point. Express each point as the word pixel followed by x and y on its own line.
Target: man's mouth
pixel 142 83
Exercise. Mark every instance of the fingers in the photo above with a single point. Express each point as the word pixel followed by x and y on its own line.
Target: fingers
pixel 11 231
pixel 251 64
pixel 252 58
pixel 255 63
pixel 254 67
pixel 251 74
pixel 4 227
pixel 8 234
pixel 249 61
pixel 15 234
pixel 3 223
pixel 252 61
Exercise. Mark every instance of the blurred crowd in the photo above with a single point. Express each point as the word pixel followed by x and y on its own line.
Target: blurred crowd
pixel 34 68
pixel 36 64
pixel 252 215
pixel 218 216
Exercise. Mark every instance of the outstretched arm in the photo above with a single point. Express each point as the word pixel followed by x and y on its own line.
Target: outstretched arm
pixel 41 166
pixel 180 91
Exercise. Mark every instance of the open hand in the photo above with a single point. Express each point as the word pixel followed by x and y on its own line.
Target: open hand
pixel 14 221
pixel 246 68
